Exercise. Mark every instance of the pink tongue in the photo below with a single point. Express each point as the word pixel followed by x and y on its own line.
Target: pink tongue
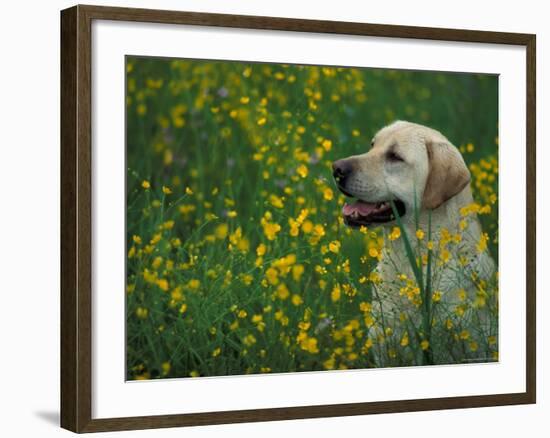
pixel 359 207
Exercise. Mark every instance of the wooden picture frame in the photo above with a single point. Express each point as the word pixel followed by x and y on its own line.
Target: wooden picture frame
pixel 76 217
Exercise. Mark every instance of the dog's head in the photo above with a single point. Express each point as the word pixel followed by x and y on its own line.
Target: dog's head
pixel 412 165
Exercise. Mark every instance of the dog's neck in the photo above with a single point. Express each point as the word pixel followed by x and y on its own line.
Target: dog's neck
pixel 463 255
pixel 432 222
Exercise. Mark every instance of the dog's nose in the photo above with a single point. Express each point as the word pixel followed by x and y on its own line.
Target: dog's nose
pixel 341 169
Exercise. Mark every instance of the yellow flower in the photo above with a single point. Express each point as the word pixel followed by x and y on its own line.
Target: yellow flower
pixel 185 209
pixel 166 190
pixel 143 376
pixel 216 352
pixel 246 279
pixel 221 231
pixel 336 293
pixel 276 201
pixel 425 345
pixel 470 209
pixel 236 238
pixel 307 227
pixel 272 276
pixel 282 291
pixel 168 225
pixel 297 271
pixel 142 312
pixel 141 109
pixel 319 230
pixel 177 116
pixel 330 363
pixel 369 320
pixel 482 244
pixel 149 277
pixel 166 368
pixel 261 121
pixel 395 234
pixel 162 283
pixel 334 246
pixel 373 252
pixel 242 314
pixel 486 209
pixel 257 318
pixel 302 170
pixel 420 234
pixel 327 144
pixel 309 344
pixel 157 262
pixel 194 373
pixel 405 340
pixel 296 299
pixel 436 297
pixel 284 263
pixel 365 307
pixel 270 228
pixel 327 194
pixel 176 294
pixel 375 277
pixel 168 157
pixel 188 191
pixel 261 250
pixel 145 184
pixel 193 284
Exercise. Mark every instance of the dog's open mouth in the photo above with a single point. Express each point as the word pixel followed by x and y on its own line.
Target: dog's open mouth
pixel 362 213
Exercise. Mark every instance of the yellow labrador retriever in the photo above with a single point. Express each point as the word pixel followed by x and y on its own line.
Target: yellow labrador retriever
pixel 417 168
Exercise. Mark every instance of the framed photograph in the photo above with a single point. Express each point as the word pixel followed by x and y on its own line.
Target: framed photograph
pixel 268 218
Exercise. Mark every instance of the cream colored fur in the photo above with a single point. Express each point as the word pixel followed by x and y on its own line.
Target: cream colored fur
pixel 435 178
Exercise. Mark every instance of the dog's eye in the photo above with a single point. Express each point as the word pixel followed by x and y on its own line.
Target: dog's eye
pixel 392 156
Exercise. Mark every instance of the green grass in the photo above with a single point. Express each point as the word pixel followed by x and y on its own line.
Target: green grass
pixel 243 151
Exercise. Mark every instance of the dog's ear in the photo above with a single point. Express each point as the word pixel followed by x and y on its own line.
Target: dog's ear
pixel 447 174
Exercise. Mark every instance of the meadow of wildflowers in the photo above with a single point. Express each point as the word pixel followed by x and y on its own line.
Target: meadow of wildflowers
pixel 237 258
